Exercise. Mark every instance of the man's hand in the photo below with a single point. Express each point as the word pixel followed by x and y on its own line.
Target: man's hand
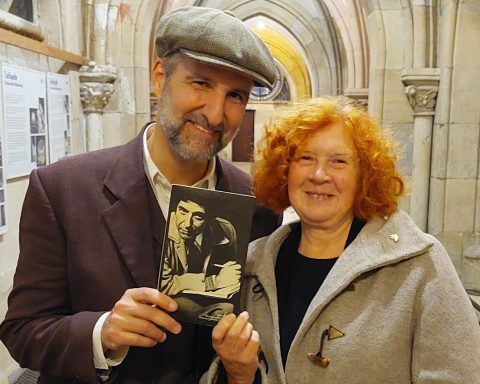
pixel 139 319
pixel 236 344
pixel 228 275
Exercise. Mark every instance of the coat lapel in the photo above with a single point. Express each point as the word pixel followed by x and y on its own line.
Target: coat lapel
pixel 129 218
pixel 223 178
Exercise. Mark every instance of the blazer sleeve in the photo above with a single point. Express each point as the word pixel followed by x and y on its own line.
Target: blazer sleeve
pixel 446 339
pixel 40 331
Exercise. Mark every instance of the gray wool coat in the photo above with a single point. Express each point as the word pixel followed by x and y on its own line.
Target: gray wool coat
pixel 395 296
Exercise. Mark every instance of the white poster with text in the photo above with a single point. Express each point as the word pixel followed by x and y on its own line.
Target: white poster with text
pixel 58 96
pixel 24 95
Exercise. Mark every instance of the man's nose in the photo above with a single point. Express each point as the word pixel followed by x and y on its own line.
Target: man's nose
pixel 187 221
pixel 214 108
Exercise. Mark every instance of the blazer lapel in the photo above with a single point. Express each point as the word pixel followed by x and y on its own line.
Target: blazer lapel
pixel 223 183
pixel 129 217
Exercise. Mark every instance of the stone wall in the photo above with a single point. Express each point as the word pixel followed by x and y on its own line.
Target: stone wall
pixel 454 205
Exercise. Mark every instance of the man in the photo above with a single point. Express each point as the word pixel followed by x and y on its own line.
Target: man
pixel 84 305
pixel 195 249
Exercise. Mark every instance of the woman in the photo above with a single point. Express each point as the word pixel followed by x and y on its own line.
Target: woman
pixel 354 292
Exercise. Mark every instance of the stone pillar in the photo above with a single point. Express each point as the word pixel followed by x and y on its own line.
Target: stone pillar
pixel 421 88
pixel 96 88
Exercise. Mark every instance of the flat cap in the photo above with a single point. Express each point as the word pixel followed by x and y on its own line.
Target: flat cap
pixel 215 37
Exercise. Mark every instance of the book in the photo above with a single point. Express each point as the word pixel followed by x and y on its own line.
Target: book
pixel 204 252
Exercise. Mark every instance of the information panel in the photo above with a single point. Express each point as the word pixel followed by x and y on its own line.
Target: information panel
pixel 58 90
pixel 24 95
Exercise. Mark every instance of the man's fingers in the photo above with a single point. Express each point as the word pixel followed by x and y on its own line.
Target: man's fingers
pixel 165 321
pixel 145 328
pixel 153 296
pixel 147 304
pixel 141 312
pixel 138 340
pixel 146 320
pixel 114 335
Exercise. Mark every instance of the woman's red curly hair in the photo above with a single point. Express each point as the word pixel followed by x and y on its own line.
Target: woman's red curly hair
pixel 380 183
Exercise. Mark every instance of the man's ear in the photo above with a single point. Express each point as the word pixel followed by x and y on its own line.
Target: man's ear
pixel 158 77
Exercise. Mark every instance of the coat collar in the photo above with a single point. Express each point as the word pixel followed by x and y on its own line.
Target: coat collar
pixel 381 242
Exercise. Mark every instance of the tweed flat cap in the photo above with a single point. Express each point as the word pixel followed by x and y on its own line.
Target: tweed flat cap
pixel 217 38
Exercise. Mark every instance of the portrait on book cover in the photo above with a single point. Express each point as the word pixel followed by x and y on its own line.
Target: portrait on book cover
pixel 201 266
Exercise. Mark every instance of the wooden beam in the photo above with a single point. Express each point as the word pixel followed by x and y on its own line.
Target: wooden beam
pixel 29 44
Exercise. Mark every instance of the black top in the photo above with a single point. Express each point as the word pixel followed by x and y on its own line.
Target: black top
pixel 298 280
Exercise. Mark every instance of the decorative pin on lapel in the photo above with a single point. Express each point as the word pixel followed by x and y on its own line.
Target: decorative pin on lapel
pixel 332 333
pixel 393 237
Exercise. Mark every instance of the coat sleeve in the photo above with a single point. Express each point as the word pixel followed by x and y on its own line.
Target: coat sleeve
pixel 446 340
pixel 40 331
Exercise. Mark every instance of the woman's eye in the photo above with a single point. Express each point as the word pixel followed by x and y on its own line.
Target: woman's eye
pixel 305 158
pixel 338 162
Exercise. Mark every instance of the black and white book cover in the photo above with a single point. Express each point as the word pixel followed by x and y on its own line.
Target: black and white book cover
pixel 204 252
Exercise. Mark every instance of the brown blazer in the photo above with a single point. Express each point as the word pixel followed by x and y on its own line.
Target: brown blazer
pixel 90 229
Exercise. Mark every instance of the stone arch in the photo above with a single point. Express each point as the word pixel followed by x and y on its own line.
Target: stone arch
pixel 350 21
pixel 287 51
pixel 315 33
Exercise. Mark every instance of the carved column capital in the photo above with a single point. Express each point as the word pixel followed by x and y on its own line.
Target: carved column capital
pixel 96 86
pixel 422 98
pixel 421 89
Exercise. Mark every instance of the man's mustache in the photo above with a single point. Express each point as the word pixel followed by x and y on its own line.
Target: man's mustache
pixel 201 120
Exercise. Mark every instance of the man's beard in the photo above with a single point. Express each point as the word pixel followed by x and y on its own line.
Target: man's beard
pixel 191 147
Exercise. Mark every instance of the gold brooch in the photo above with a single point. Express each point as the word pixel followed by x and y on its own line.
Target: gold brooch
pixel 393 237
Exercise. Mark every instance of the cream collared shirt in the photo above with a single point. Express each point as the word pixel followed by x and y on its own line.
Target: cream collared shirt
pixel 162 189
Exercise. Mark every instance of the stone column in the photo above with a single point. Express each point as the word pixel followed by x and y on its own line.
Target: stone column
pixel 96 88
pixel 421 88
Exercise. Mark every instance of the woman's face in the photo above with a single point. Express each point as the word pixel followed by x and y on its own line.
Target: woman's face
pixel 323 178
